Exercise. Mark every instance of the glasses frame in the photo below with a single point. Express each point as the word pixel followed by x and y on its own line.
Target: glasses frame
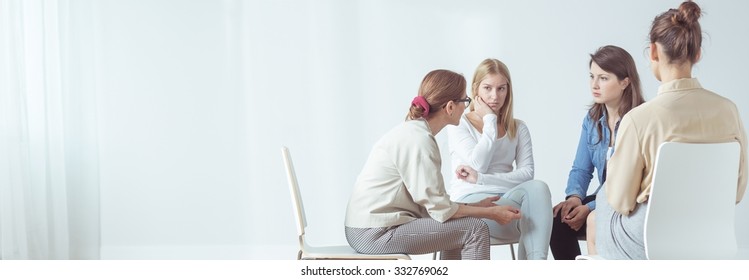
pixel 466 100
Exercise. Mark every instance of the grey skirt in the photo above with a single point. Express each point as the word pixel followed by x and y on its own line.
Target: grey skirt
pixel 619 237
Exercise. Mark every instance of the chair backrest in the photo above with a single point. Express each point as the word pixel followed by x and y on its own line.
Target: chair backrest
pixel 691 209
pixel 296 196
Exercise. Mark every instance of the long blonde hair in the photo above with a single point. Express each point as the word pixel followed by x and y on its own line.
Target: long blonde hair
pixel 491 66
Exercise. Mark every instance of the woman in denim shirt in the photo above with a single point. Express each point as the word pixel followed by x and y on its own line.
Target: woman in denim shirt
pixel 615 86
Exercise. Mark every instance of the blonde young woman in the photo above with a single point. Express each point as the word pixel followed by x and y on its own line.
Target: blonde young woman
pixel 483 148
pixel 683 111
pixel 399 203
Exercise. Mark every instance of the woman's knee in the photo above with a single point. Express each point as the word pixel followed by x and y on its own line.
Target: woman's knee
pixel 533 192
pixel 537 192
pixel 478 225
pixel 478 231
pixel 474 225
pixel 538 188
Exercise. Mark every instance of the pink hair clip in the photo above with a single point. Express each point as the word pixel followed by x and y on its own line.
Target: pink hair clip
pixel 421 102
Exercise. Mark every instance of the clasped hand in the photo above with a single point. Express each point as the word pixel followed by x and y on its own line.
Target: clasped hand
pixel 466 173
pixel 573 212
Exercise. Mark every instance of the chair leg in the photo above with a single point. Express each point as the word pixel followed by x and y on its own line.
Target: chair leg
pixel 434 255
pixel 512 251
pixel 299 255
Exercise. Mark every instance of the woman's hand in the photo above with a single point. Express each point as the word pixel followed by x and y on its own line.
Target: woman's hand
pixel 503 214
pixel 576 218
pixel 466 173
pixel 486 209
pixel 566 206
pixel 572 212
pixel 487 202
pixel 481 108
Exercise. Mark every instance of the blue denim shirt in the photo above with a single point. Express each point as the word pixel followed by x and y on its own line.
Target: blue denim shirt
pixel 591 154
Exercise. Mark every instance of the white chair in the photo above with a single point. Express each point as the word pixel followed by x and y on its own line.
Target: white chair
pixel 692 205
pixel 495 242
pixel 308 252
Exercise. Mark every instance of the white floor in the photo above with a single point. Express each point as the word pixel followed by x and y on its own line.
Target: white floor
pixel 503 253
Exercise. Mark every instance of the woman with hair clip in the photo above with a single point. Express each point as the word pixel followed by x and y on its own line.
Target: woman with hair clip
pixel 615 86
pixel 399 203
pixel 483 148
pixel 682 111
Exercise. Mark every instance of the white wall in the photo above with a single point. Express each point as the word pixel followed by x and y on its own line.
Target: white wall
pixel 173 131
pixel 195 99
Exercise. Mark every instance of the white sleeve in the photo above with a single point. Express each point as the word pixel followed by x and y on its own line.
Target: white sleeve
pixel 523 161
pixel 474 152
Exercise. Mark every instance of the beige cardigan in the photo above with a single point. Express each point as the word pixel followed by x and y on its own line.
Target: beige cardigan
pixel 401 181
pixel 682 112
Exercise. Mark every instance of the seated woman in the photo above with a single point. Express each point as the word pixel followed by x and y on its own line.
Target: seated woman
pixel 399 203
pixel 683 111
pixel 483 148
pixel 615 86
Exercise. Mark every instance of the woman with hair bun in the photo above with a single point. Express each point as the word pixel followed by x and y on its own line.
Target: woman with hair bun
pixel 682 111
pixel 399 203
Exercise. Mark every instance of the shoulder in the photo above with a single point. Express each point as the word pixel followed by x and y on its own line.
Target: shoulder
pixel 522 128
pixel 414 132
pixel 411 136
pixel 588 123
pixel 718 103
pixel 643 110
pixel 724 101
pixel 630 120
pixel 587 119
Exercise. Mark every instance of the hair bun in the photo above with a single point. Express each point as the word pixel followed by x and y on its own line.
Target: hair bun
pixel 689 13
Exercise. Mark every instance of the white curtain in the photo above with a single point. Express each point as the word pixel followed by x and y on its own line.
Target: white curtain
pixel 38 141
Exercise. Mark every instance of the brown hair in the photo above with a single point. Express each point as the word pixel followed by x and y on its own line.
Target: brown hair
pixel 495 67
pixel 616 60
pixel 438 87
pixel 679 33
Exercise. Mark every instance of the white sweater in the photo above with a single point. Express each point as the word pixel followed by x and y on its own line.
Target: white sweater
pixel 492 158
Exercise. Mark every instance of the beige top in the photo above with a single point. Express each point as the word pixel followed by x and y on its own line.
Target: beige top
pixel 682 112
pixel 401 181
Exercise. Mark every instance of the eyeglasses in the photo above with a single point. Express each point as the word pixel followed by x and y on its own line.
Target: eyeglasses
pixel 466 100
